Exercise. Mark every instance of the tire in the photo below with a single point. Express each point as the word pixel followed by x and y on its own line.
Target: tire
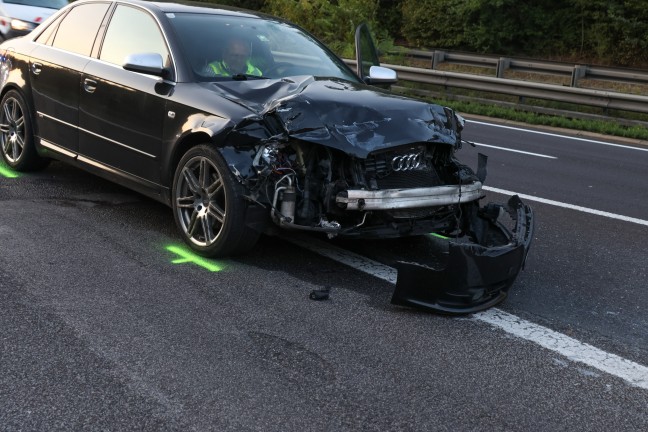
pixel 208 205
pixel 17 135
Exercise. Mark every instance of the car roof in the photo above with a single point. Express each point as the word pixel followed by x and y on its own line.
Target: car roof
pixel 191 6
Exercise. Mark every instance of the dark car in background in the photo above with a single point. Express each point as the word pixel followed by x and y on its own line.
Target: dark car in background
pixel 131 91
pixel 19 17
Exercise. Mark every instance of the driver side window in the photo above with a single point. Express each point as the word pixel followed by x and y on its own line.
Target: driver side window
pixel 132 31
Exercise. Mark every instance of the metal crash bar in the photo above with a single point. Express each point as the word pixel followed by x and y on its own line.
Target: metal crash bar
pixel 392 199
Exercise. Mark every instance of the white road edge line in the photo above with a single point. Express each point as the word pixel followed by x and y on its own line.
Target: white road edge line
pixel 574 350
pixel 559 136
pixel 633 373
pixel 568 206
pixel 351 259
pixel 515 151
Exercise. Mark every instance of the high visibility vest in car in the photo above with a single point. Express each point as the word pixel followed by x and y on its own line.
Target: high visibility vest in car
pixel 220 69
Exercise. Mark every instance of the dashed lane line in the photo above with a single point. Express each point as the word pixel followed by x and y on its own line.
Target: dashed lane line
pixel 589 140
pixel 515 151
pixel 569 206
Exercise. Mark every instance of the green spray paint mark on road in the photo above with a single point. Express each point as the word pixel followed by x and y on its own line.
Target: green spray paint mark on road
pixel 439 236
pixel 187 256
pixel 5 171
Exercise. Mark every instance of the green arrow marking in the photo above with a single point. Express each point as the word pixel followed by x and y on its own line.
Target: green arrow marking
pixel 186 256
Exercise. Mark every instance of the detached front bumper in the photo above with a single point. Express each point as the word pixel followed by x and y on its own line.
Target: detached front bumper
pixel 393 199
pixel 479 272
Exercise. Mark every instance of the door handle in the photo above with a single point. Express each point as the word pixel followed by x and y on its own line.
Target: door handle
pixel 36 68
pixel 89 85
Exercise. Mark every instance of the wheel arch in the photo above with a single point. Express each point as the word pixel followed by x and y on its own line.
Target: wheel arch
pixel 240 223
pixel 219 132
pixel 28 158
pixel 186 142
pixel 26 96
pixel 15 75
pixel 183 146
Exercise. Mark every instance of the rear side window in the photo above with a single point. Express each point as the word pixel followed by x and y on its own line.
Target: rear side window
pixel 79 27
pixel 132 31
pixel 48 34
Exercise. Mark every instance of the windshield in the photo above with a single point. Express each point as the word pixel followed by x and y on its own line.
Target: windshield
pixel 221 47
pixel 50 4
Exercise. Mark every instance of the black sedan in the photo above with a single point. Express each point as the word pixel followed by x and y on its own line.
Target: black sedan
pixel 241 121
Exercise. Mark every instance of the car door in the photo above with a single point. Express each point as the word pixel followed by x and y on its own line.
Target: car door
pixel 121 113
pixel 61 53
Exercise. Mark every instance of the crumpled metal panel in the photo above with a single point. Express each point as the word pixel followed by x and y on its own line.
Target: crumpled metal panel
pixel 354 118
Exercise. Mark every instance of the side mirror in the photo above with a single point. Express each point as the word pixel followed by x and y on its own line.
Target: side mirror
pixel 382 75
pixel 146 63
pixel 368 63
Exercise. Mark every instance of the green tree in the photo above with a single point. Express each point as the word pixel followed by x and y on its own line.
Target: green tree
pixel 614 32
pixel 433 23
pixel 390 17
pixel 595 31
pixel 334 22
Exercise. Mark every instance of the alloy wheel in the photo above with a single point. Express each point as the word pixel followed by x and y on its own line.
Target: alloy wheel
pixel 12 130
pixel 201 201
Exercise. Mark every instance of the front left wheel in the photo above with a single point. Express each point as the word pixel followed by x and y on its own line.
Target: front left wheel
pixel 16 134
pixel 208 205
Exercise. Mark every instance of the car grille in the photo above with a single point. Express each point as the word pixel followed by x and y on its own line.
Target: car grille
pixel 401 169
pixel 412 179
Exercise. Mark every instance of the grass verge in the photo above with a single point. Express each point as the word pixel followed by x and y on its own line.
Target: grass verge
pixel 535 112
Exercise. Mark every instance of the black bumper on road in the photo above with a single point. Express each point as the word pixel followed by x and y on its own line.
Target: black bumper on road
pixel 479 271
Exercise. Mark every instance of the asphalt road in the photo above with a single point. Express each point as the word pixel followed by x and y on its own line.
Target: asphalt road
pixel 101 330
pixel 594 268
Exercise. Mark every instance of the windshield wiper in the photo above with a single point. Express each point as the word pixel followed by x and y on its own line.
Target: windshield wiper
pixel 243 77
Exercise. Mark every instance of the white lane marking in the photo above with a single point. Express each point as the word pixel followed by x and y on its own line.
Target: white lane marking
pixel 577 351
pixel 633 373
pixel 560 136
pixel 569 206
pixel 348 258
pixel 515 151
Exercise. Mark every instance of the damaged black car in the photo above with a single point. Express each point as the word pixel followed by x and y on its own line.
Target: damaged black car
pixel 240 122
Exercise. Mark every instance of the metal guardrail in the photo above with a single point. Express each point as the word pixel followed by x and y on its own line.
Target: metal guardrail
pixel 501 64
pixel 522 89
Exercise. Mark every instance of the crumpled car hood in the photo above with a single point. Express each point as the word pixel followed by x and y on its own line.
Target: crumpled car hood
pixel 352 117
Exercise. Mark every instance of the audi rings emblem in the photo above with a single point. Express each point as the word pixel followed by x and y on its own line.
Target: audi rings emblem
pixel 407 162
